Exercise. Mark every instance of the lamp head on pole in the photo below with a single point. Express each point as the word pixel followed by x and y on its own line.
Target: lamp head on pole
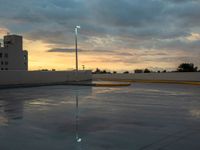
pixel 76 29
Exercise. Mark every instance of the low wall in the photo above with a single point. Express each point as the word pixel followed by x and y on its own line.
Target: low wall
pixel 172 76
pixel 42 77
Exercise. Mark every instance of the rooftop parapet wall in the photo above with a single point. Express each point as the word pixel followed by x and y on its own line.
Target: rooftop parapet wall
pixel 172 76
pixel 42 77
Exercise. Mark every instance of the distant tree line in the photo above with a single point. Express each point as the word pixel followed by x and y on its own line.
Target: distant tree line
pixel 184 67
pixel 187 67
pixel 98 71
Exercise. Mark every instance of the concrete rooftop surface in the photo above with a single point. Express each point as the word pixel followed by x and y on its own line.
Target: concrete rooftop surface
pixel 143 116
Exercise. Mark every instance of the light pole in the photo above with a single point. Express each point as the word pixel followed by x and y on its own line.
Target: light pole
pixel 83 67
pixel 76 45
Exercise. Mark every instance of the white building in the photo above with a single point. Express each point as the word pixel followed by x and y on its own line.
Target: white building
pixel 12 55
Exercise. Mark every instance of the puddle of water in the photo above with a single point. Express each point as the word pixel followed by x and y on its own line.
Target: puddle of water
pixel 142 116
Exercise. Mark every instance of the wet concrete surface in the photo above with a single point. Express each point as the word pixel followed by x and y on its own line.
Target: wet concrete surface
pixel 142 116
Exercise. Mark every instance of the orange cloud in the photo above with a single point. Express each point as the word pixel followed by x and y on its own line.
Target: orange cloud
pixel 193 37
pixel 3 31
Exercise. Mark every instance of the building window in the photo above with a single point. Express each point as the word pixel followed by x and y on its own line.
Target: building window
pixel 6 63
pixel 0 55
pixel 1 68
pixel 1 62
pixel 25 58
pixel 6 68
pixel 8 42
pixel 6 55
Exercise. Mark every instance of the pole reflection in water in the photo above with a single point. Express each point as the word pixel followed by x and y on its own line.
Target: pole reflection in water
pixel 78 138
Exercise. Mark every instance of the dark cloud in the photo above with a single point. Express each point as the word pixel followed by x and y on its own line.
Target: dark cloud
pixel 72 50
pixel 51 36
pixel 150 18
pixel 127 13
pixel 190 46
pixel 62 50
pixel 132 17
pixel 181 1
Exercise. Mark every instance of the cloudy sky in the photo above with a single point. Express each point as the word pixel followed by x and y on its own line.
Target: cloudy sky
pixel 114 35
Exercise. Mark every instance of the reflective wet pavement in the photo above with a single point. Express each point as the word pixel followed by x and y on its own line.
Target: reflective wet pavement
pixel 138 117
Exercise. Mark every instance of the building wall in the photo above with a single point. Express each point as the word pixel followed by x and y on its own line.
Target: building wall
pixel 42 77
pixel 176 76
pixel 14 42
pixel 12 55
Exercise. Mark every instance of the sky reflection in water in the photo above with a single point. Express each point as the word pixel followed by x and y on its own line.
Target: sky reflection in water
pixel 142 116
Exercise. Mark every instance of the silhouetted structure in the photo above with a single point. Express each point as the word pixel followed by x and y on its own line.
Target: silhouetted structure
pixel 12 55
pixel 138 71
pixel 98 71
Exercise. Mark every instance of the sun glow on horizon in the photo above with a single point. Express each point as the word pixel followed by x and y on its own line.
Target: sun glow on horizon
pixel 39 59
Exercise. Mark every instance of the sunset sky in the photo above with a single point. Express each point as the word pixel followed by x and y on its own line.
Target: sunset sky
pixel 115 34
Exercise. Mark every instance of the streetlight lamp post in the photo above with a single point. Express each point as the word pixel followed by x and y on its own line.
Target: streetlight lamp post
pixel 76 45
